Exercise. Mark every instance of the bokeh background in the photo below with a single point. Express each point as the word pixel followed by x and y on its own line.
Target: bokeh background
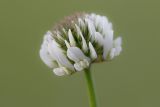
pixel 131 80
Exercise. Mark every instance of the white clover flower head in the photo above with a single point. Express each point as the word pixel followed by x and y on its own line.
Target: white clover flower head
pixel 77 42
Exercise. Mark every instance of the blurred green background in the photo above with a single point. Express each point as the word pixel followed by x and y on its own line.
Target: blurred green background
pixel 131 80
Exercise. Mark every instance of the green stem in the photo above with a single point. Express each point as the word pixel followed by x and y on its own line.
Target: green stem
pixel 91 90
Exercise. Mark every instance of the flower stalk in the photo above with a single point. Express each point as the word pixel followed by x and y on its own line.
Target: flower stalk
pixel 91 88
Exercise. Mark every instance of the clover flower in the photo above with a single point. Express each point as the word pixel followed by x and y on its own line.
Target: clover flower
pixel 77 42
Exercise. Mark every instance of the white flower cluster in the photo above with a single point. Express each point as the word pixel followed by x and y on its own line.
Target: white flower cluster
pixel 89 39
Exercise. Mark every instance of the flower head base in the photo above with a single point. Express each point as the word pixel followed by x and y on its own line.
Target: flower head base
pixel 77 42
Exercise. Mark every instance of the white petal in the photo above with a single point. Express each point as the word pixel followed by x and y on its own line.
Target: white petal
pixel 81 23
pixel 78 30
pixel 104 26
pixel 78 67
pixel 117 45
pixel 67 44
pixel 52 46
pixel 112 53
pixel 108 42
pixel 118 50
pixel 118 41
pixel 71 55
pixel 84 44
pixel 75 54
pixel 71 38
pixel 84 63
pixel 59 56
pixel 63 61
pixel 98 21
pixel 91 29
pixel 93 16
pixel 47 59
pixel 48 37
pixel 60 71
pixel 115 52
pixel 99 38
pixel 59 37
pixel 93 53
